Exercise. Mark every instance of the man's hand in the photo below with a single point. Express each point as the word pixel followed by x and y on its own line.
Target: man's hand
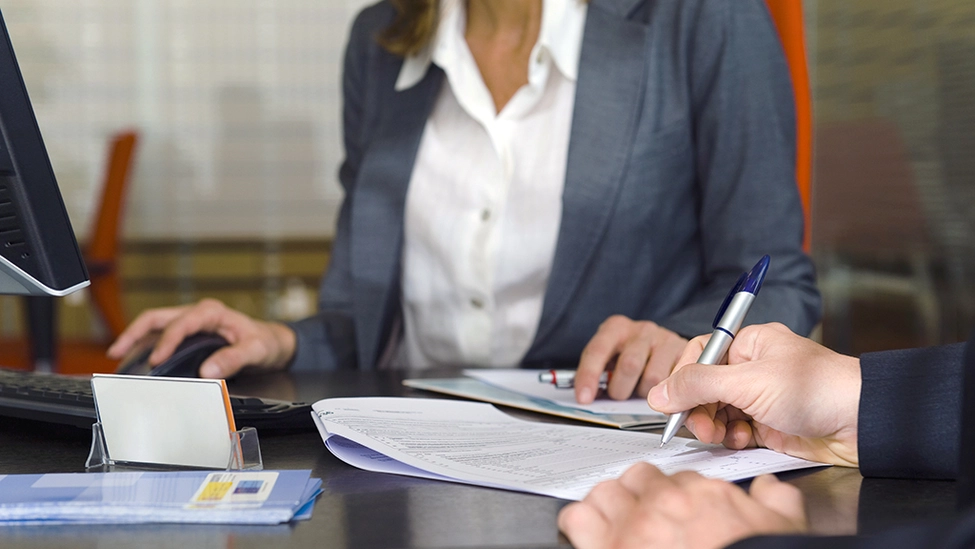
pixel 646 509
pixel 779 390
pixel 644 354
pixel 253 343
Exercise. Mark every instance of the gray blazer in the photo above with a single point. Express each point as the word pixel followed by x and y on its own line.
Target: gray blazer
pixel 680 176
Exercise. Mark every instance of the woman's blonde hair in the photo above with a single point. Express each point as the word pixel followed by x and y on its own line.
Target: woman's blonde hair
pixel 413 28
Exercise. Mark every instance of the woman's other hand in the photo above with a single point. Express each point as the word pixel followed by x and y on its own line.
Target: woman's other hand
pixel 644 353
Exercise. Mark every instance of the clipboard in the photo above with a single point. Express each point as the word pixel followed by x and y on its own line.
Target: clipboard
pixel 475 389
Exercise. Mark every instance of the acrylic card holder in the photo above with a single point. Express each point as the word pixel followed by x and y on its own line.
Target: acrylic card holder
pixel 167 423
pixel 245 454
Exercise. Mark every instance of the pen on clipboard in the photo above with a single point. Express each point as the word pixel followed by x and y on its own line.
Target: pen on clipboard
pixel 726 324
pixel 565 379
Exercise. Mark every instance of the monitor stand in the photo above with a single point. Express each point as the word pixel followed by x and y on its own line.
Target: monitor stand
pixel 42 332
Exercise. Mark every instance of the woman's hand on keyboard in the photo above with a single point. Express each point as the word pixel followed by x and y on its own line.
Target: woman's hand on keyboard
pixel 252 343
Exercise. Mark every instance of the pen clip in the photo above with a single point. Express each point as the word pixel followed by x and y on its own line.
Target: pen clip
pixel 727 300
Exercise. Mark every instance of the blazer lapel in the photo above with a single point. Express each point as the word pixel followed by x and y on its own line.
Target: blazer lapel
pixel 378 205
pixel 609 92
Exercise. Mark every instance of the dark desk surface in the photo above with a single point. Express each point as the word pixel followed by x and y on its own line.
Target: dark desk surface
pixel 363 509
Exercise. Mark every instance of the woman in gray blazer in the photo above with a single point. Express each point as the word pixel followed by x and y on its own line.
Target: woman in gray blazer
pixel 637 156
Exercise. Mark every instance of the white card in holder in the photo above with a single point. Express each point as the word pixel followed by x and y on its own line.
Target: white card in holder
pixel 157 421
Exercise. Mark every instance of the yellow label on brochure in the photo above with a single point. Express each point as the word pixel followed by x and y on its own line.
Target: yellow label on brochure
pixel 214 491
pixel 234 489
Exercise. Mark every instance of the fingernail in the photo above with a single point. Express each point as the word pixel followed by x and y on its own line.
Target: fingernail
pixel 585 395
pixel 208 369
pixel 658 396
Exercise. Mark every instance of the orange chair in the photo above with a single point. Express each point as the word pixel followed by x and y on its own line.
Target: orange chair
pixel 787 15
pixel 101 252
pixel 101 258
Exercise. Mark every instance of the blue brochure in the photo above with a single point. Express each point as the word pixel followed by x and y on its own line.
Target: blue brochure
pixel 213 497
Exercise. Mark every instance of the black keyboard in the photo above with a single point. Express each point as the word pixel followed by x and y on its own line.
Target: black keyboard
pixel 68 400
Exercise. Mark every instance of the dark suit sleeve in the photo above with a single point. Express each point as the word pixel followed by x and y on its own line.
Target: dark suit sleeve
pixel 745 141
pixel 910 412
pixel 327 339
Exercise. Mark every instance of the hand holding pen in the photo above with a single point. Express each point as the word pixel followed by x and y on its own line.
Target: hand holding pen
pixel 727 322
pixel 783 391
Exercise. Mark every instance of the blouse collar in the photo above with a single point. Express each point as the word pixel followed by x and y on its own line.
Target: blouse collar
pixel 563 22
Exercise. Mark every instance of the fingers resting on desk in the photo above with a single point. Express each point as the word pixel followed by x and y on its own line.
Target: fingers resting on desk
pixel 648 509
pixel 640 354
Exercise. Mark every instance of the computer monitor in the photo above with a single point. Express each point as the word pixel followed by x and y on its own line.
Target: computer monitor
pixel 38 251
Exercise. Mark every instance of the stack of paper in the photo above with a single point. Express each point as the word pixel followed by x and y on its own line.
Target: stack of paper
pixel 224 497
pixel 478 444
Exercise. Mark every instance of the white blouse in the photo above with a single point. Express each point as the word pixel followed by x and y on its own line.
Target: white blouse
pixel 484 202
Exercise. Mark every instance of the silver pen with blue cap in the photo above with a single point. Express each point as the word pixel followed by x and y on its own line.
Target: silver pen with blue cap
pixel 727 322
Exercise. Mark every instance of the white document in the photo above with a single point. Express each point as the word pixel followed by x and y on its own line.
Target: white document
pixel 526 382
pixel 476 443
